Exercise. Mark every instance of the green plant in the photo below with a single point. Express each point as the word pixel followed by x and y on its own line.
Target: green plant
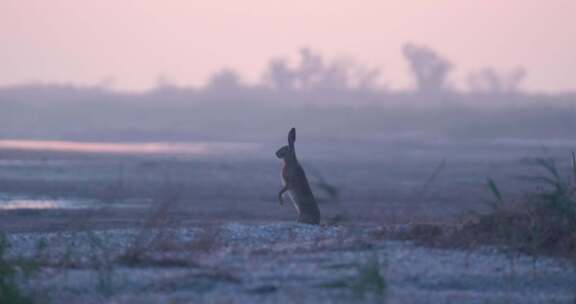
pixel 369 278
pixel 497 194
pixel 103 263
pixel 541 222
pixel 556 201
pixel 554 208
pixel 10 291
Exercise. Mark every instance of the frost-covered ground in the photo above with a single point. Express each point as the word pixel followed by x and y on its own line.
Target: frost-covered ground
pixel 278 263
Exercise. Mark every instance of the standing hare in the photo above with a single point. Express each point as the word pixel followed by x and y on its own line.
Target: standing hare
pixel 296 183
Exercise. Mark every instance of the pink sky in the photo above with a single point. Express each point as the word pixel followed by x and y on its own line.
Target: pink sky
pixel 133 42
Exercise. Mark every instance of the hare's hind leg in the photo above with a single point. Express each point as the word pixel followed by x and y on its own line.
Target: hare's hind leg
pixel 282 191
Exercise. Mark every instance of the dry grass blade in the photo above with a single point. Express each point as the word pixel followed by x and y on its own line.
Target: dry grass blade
pixel 574 165
pixel 439 168
pixel 496 192
pixel 333 192
pixel 154 229
pixel 548 165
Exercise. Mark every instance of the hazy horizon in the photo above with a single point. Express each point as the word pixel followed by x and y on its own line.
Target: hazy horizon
pixel 130 45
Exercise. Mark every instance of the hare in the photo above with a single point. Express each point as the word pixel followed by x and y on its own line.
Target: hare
pixel 296 183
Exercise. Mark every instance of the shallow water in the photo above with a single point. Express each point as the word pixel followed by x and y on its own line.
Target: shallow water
pixel 196 148
pixel 19 203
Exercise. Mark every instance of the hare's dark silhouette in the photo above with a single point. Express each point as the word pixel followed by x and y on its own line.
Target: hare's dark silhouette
pixel 296 184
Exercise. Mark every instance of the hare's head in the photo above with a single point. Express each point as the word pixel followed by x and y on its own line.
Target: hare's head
pixel 289 149
pixel 283 152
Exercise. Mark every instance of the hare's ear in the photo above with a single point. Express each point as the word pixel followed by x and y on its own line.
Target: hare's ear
pixel 292 137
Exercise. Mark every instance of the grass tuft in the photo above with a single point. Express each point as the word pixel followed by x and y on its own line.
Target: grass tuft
pixel 369 278
pixel 544 222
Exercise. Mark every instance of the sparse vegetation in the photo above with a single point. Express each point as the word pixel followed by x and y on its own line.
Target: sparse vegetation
pixel 154 229
pixel 542 222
